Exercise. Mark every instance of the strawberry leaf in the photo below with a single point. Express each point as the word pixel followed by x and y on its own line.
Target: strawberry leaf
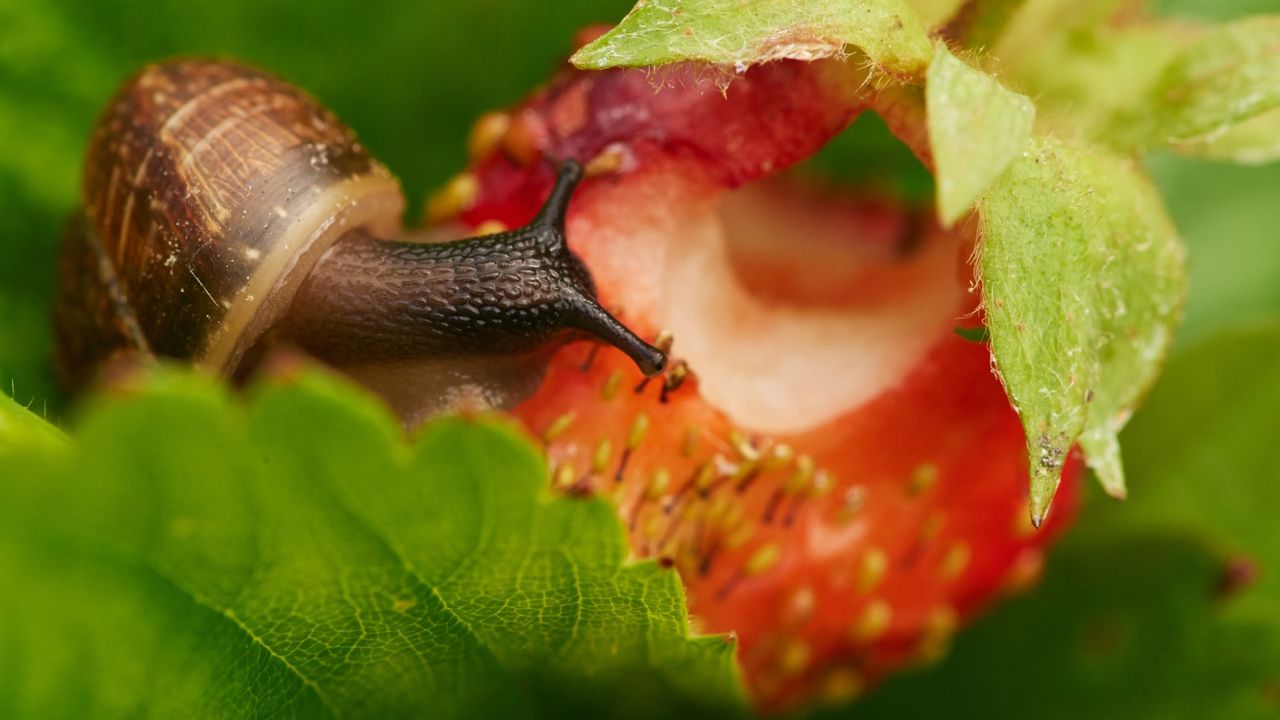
pixel 1083 281
pixel 1151 84
pixel 1221 97
pixel 740 34
pixel 1094 81
pixel 976 128
pixel 188 555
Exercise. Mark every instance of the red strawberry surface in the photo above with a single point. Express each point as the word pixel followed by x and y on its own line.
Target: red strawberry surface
pixel 838 477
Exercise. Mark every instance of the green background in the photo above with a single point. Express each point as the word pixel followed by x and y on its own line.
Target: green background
pixel 1128 623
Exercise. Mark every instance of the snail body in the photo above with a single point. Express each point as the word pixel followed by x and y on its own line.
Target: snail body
pixel 224 208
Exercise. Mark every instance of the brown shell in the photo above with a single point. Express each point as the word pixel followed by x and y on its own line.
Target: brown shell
pixel 210 191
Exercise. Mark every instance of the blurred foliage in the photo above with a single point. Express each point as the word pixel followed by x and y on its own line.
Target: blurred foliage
pixel 1219 98
pixel 1203 443
pixel 1121 628
pixel 1227 215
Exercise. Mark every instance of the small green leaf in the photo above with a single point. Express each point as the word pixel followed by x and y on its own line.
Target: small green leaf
pixel 739 34
pixel 1083 281
pixel 976 128
pixel 1250 142
pixel 188 556
pixel 1095 82
pixel 1230 78
pixel 1148 84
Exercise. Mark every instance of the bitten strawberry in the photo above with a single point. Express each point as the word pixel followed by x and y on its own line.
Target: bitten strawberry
pixel 837 475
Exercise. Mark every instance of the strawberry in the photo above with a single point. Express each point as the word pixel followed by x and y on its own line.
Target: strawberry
pixel 837 476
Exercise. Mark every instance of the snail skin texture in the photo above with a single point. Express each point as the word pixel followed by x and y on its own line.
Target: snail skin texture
pixel 226 212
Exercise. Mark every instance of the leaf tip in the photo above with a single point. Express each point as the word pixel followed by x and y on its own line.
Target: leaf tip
pixel 587 57
pixel 1040 504
pixel 1046 475
pixel 1102 452
pixel 950 209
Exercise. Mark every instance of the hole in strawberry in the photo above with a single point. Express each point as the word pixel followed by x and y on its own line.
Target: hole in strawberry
pixel 794 307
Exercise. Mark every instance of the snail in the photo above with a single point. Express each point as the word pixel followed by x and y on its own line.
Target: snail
pixel 226 211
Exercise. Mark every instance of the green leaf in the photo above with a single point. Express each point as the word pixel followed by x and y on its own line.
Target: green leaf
pixel 1040 25
pixel 1249 142
pixel 1219 97
pixel 739 34
pixel 1095 82
pixel 1083 280
pixel 190 556
pixel 976 128
pixel 1140 83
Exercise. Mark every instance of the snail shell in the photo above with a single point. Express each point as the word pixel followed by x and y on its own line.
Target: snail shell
pixel 210 191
